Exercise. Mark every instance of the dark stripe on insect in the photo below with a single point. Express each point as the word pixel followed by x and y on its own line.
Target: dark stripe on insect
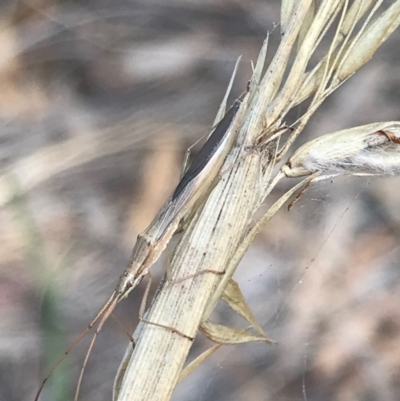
pixel 208 149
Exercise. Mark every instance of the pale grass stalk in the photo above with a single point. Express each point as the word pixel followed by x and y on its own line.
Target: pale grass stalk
pixel 221 231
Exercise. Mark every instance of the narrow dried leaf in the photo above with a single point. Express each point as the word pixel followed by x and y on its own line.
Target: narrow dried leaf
pixel 312 79
pixel 222 107
pixel 282 102
pixel 272 79
pixel 251 235
pixel 367 44
pixel 372 149
pixel 355 13
pixel 256 77
pixel 192 366
pixel 308 20
pixel 221 334
pixel 287 8
pixel 234 298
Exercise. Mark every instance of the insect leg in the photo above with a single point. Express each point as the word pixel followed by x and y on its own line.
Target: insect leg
pixel 106 312
pixel 72 346
pixel 307 186
pixel 142 310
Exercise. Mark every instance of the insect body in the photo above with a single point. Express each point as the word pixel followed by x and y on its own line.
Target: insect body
pixel 152 242
pixel 202 172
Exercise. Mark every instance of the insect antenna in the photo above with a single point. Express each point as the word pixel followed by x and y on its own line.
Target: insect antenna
pixel 105 308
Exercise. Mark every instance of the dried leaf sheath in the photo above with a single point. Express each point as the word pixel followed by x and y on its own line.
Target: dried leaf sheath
pixel 206 245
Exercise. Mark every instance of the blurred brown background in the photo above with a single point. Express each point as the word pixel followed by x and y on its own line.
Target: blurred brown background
pixel 98 101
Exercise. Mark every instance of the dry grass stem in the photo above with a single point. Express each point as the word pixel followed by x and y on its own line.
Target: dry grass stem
pixel 222 229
